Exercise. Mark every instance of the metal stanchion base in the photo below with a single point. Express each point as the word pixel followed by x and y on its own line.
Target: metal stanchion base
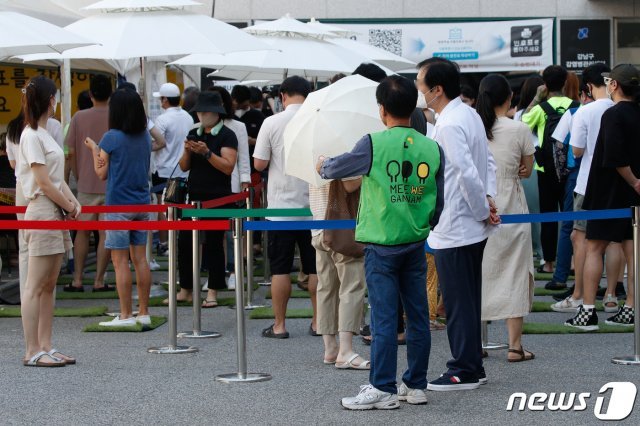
pixel 264 283
pixel 199 334
pixel 247 378
pixel 627 360
pixel 491 346
pixel 251 306
pixel 172 350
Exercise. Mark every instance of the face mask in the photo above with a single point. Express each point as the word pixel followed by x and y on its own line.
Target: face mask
pixel 422 102
pixel 55 108
pixel 426 104
pixel 606 89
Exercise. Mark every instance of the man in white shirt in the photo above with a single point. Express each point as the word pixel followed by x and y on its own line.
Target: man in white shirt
pixel 285 192
pixel 468 217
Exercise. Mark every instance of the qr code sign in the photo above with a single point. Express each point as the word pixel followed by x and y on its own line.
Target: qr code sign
pixel 389 40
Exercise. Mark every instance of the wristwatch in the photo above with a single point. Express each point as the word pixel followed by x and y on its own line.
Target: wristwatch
pixel 208 155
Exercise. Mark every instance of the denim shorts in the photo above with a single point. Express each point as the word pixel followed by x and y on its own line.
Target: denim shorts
pixel 121 240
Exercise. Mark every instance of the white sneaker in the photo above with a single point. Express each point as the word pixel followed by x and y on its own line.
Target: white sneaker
pixel 369 398
pixel 117 322
pixel 143 319
pixel 153 265
pixel 567 305
pixel 411 396
pixel 205 286
pixel 231 282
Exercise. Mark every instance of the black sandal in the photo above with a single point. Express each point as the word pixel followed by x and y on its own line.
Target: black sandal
pixel 523 356
pixel 70 288
pixel 268 332
pixel 102 289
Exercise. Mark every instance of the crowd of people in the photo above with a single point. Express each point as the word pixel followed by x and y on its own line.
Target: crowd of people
pixel 561 143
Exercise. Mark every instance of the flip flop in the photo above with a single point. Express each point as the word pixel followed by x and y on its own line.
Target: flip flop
pixel 523 357
pixel 312 332
pixel 66 358
pixel 104 288
pixel 34 361
pixel 268 332
pixel 349 365
pixel 70 288
pixel 206 303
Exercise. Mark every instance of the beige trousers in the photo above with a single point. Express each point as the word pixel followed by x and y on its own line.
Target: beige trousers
pixel 341 289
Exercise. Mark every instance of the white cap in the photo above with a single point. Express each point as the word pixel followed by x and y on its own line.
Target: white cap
pixel 167 90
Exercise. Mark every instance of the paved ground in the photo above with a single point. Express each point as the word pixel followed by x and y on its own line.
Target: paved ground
pixel 117 382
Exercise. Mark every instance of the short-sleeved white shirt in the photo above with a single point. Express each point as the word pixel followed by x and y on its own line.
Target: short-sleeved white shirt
pixel 55 130
pixel 174 124
pixel 39 147
pixel 282 191
pixel 584 132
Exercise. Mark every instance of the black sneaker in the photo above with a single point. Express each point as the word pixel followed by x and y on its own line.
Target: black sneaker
pixel 561 296
pixel 620 291
pixel 482 377
pixel 624 317
pixel 586 320
pixel 553 285
pixel 447 382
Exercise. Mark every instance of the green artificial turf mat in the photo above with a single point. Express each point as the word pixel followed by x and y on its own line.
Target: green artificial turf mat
pixel 156 321
pixel 223 301
pixel 541 291
pixel 295 294
pixel 546 276
pixel 94 311
pixel 92 268
pixel 267 313
pixel 62 295
pixel 544 328
pixel 68 279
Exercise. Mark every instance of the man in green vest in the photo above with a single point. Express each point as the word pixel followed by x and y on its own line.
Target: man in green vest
pixel 400 201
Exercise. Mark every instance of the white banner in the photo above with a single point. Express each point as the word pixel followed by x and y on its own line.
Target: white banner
pixel 524 45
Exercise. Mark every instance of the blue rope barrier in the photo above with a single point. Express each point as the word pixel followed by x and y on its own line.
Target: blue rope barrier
pixel 506 219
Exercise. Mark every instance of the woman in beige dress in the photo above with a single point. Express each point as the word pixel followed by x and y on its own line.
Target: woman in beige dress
pixel 507 267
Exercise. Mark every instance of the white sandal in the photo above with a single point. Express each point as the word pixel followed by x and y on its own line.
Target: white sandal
pixel 66 358
pixel 610 298
pixel 34 361
pixel 364 365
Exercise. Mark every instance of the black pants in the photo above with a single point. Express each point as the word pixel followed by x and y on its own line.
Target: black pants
pixel 551 193
pixel 212 259
pixel 460 278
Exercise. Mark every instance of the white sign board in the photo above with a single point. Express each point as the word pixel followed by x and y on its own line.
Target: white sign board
pixel 522 45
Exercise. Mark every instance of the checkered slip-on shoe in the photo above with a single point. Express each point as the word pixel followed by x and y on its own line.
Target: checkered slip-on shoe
pixel 624 317
pixel 585 319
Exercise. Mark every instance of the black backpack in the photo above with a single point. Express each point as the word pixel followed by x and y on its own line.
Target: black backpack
pixel 551 153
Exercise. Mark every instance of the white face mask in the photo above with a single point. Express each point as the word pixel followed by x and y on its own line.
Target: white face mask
pixel 606 89
pixel 55 108
pixel 426 104
pixel 422 102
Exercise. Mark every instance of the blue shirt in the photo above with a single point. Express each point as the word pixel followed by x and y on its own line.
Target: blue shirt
pixel 128 177
pixel 358 163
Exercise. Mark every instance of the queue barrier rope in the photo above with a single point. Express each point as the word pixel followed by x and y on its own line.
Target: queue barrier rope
pixel 145 208
pixel 240 213
pixel 114 225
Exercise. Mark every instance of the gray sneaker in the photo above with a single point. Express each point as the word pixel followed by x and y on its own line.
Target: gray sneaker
pixel 369 398
pixel 411 396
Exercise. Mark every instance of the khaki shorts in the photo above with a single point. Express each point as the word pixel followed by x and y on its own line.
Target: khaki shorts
pixel 87 199
pixel 43 242
pixel 578 225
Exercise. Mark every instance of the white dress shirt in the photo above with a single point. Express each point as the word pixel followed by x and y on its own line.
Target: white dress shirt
pixel 242 170
pixel 469 177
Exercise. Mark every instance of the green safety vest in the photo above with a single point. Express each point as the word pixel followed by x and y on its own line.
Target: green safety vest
pixel 398 195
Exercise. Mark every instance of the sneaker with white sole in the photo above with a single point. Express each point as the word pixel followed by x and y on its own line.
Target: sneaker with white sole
pixel 482 377
pixel 153 265
pixel 231 282
pixel 369 398
pixel 411 396
pixel 585 319
pixel 448 382
pixel 569 305
pixel 624 317
pixel 117 322
pixel 143 319
pixel 610 298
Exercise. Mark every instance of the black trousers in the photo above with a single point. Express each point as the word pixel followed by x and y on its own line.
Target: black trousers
pixel 212 259
pixel 460 278
pixel 551 193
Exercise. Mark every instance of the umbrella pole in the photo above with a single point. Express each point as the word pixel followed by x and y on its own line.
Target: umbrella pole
pixel 65 82
pixel 284 74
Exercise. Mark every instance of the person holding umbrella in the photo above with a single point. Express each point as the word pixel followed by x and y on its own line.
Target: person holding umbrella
pixel 401 199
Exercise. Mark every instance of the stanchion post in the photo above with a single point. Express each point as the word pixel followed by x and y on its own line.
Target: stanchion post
pixel 197 332
pixel 486 344
pixel 241 375
pixel 635 358
pixel 250 305
pixel 173 347
pixel 265 246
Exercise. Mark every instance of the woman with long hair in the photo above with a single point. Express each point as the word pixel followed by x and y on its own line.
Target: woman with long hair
pixel 507 267
pixel 122 159
pixel 41 174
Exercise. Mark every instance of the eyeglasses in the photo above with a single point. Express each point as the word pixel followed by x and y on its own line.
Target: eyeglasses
pixel 607 80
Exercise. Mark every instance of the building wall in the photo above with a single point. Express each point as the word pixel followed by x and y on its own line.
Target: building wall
pixel 245 10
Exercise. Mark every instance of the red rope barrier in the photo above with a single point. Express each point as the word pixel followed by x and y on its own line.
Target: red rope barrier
pixel 225 200
pixel 113 225
pixel 151 208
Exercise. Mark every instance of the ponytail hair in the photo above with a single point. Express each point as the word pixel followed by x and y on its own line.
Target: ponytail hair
pixel 494 91
pixel 36 98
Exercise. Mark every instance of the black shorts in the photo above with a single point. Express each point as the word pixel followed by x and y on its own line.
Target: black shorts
pixel 282 249
pixel 157 180
pixel 614 230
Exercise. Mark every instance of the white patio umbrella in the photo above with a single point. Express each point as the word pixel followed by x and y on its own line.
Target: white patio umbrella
pixel 375 54
pixel 338 31
pixel 288 27
pixel 22 34
pixel 294 56
pixel 329 123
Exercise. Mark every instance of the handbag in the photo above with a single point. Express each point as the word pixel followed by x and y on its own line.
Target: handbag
pixel 176 191
pixel 342 205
